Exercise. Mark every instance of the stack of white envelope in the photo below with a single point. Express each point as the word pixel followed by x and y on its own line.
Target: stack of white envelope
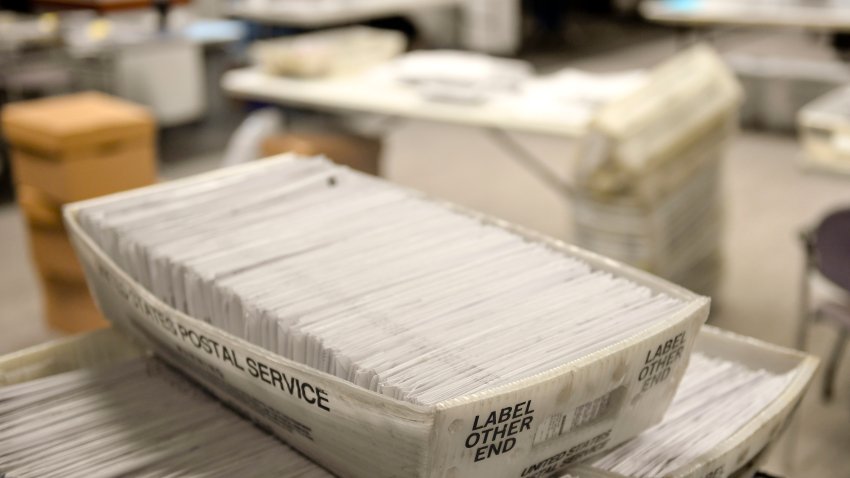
pixel 132 418
pixel 347 314
pixel 118 413
pixel 716 398
pixel 369 282
pixel 649 172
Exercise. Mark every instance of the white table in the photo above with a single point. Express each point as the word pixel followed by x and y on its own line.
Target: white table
pixel 323 13
pixel 376 92
pixel 821 15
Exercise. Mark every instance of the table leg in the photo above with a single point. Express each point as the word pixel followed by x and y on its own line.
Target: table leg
pixel 532 163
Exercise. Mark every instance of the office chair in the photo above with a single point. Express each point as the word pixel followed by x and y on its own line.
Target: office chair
pixel 827 253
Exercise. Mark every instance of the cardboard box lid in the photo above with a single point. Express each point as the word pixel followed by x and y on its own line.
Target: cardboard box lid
pixel 73 121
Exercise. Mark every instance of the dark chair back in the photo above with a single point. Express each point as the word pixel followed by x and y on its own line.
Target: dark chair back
pixel 831 243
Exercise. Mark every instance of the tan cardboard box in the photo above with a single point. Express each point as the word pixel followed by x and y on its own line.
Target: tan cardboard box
pixel 60 124
pixel 69 307
pixel 80 146
pixel 356 152
pixel 38 208
pixel 87 175
pixel 50 248
pixel 53 255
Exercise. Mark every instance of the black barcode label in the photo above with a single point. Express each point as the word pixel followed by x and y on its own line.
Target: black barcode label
pixel 590 411
pixel 558 424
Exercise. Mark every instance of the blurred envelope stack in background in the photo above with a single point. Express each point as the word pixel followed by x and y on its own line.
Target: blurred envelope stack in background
pixel 648 172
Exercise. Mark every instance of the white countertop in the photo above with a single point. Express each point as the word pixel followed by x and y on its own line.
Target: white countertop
pixel 376 91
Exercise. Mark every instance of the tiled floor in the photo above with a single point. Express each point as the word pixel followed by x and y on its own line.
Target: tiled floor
pixel 768 200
